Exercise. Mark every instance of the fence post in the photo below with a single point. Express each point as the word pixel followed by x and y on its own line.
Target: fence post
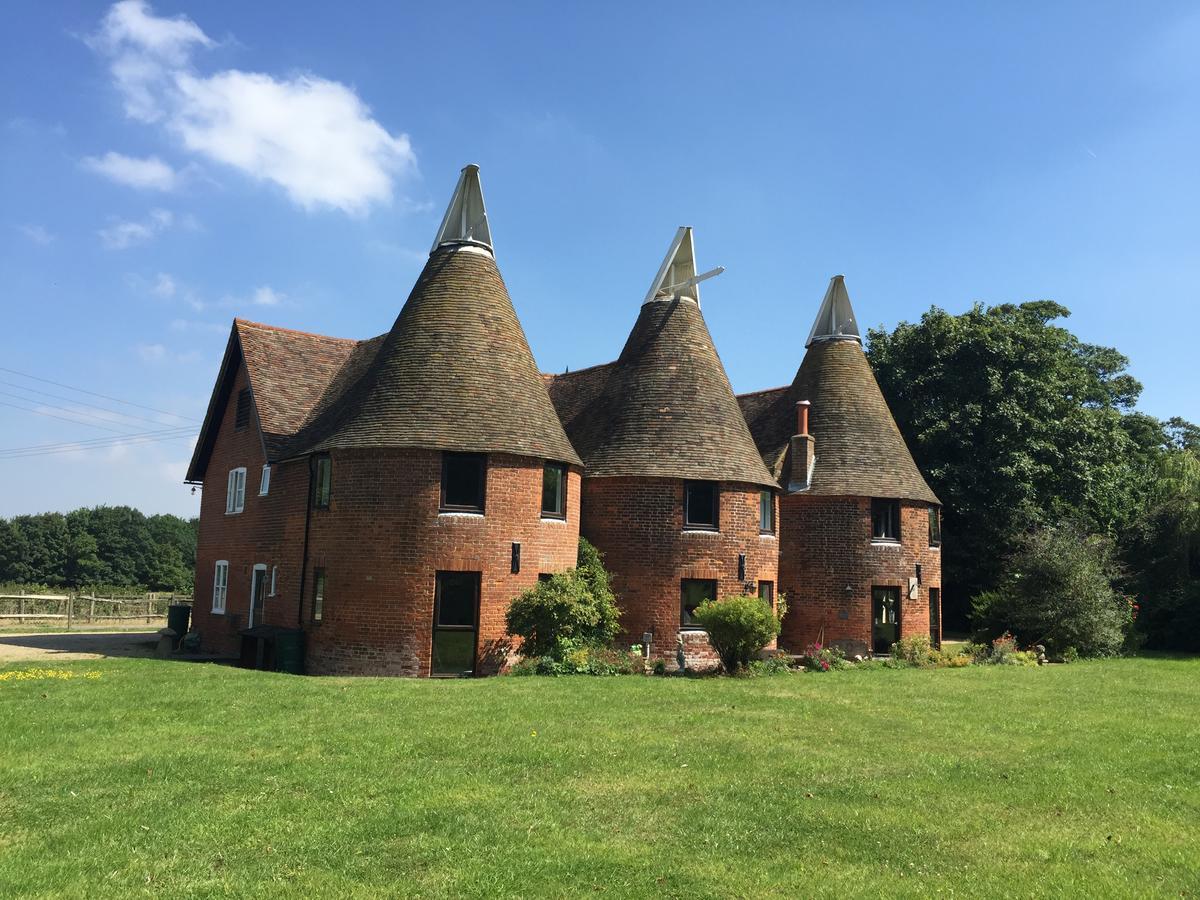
pixel 92 608
pixel 70 609
pixel 21 608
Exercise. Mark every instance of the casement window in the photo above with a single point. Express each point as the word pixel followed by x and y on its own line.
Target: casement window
pixel 235 491
pixel 766 593
pixel 220 586
pixel 464 482
pixel 241 417
pixel 545 576
pixel 554 491
pixel 701 500
pixel 455 624
pixel 264 484
pixel 318 598
pixel 274 580
pixel 766 512
pixel 322 481
pixel 935 618
pixel 693 592
pixel 935 526
pixel 885 520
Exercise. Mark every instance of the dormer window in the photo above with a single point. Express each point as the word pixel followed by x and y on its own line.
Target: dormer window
pixel 885 520
pixel 701 501
pixel 241 418
pixel 235 491
pixel 554 491
pixel 464 482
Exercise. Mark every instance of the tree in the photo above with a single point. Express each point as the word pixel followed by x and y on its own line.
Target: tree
pixel 1016 423
pixel 1057 590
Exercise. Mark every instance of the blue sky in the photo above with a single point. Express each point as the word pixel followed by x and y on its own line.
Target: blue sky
pixel 166 167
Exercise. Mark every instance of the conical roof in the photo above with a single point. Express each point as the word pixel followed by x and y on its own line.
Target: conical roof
pixel 455 372
pixel 665 407
pixel 858 447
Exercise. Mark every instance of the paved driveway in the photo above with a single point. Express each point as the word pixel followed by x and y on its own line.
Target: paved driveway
pixel 75 645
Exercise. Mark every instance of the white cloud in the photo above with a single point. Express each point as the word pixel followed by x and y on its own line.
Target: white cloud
pixel 150 173
pixel 265 296
pixel 37 234
pixel 312 137
pixel 122 233
pixel 164 285
pixel 152 353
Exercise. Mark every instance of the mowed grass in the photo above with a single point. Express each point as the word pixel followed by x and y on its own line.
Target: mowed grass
pixel 173 779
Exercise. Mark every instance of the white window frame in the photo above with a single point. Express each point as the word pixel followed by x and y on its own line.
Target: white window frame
pixel 258 567
pixel 235 491
pixel 264 486
pixel 274 578
pixel 220 586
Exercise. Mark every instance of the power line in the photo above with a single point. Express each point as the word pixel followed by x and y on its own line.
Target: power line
pixel 85 415
pixel 114 442
pixel 166 432
pixel 30 390
pixel 41 412
pixel 94 394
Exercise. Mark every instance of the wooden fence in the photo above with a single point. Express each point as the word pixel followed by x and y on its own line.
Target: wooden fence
pixel 85 609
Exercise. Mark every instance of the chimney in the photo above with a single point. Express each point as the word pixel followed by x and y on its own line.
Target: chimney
pixel 803 451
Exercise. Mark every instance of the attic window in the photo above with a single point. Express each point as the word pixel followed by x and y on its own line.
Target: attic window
pixel 700 504
pixel 885 520
pixel 242 417
pixel 235 491
pixel 464 482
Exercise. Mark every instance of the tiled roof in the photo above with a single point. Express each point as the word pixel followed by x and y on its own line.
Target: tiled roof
pixel 664 408
pixel 454 373
pixel 858 447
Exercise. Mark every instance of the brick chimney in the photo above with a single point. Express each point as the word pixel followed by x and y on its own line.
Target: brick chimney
pixel 803 451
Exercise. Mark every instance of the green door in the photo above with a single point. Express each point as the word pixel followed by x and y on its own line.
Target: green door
pixel 885 602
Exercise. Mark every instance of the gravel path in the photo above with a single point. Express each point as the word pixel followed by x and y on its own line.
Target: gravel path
pixel 46 648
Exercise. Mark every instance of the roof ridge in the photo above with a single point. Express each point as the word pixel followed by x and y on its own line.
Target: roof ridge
pixel 579 371
pixel 237 320
pixel 782 387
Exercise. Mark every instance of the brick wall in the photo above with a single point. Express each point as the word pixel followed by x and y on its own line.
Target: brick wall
pixel 637 523
pixel 826 546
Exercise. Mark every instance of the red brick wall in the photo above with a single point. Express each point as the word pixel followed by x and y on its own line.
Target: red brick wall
pixel 825 546
pixel 637 523
pixel 381 543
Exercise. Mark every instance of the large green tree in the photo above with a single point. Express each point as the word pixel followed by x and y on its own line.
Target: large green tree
pixel 1017 424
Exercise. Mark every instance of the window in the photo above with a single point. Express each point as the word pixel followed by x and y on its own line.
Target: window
pixel 766 593
pixel 235 491
pixel 700 501
pixel 241 418
pixel 766 512
pixel 220 586
pixel 694 591
pixel 322 481
pixel 464 482
pixel 258 594
pixel 455 621
pixel 935 618
pixel 554 491
pixel 264 484
pixel 885 520
pixel 318 602
pixel 885 631
pixel 545 576
pixel 274 580
pixel 935 526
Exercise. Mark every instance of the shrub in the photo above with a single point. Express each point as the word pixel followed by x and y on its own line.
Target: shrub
pixel 568 611
pixel 915 650
pixel 1070 655
pixel 738 627
pixel 1057 590
pixel 775 664
pixel 819 658
pixel 583 661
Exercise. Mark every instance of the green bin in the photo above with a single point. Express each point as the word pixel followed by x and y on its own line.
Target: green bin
pixel 177 619
pixel 289 651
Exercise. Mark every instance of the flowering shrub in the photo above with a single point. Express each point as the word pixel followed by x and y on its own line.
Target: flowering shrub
pixel 819 658
pixel 585 660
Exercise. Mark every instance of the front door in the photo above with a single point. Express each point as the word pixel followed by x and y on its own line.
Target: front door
pixel 455 624
pixel 258 590
pixel 885 602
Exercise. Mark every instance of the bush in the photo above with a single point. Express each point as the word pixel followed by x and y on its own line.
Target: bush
pixel 583 661
pixel 1057 590
pixel 819 658
pixel 915 650
pixel 776 664
pixel 738 627
pixel 570 610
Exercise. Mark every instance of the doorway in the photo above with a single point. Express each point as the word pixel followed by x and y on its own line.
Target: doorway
pixel 885 603
pixel 455 624
pixel 258 593
pixel 935 618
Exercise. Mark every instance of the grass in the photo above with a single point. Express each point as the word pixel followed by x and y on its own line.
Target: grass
pixel 179 779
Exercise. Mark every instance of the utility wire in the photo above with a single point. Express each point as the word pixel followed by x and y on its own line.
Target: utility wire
pixel 30 390
pixel 166 432
pixel 94 394
pixel 42 412
pixel 116 442
pixel 84 416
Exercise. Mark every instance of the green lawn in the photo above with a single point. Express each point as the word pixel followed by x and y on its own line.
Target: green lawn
pixel 177 779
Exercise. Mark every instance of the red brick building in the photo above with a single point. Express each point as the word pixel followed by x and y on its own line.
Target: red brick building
pixel 384 500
